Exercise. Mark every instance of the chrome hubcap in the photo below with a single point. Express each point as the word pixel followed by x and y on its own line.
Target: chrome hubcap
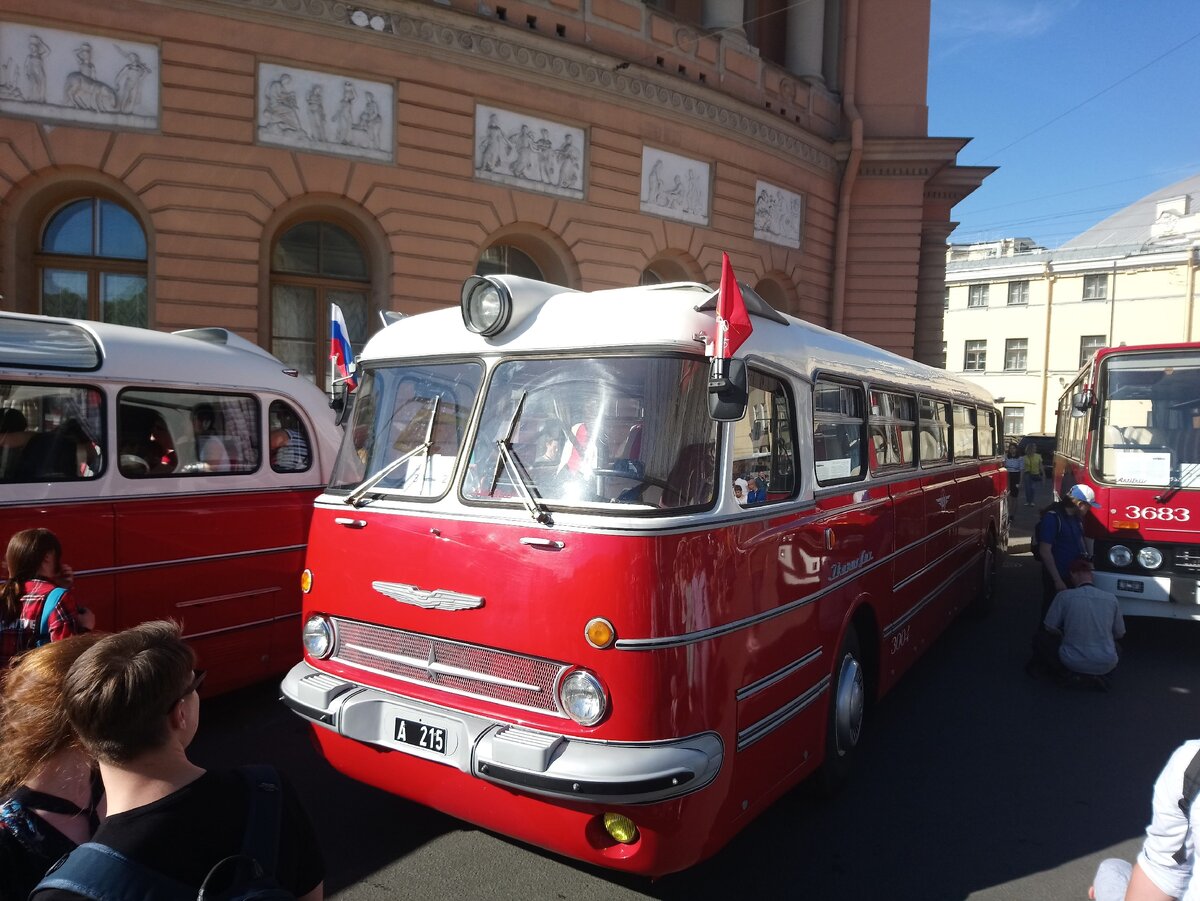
pixel 848 705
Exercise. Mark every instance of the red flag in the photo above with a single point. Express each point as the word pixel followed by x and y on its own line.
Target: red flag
pixel 733 322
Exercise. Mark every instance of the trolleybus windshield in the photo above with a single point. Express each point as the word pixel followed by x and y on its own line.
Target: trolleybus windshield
pixel 1150 420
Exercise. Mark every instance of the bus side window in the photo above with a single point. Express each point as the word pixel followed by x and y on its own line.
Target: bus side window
pixel 762 443
pixel 935 427
pixel 50 433
pixel 838 432
pixel 291 451
pixel 162 433
pixel 893 422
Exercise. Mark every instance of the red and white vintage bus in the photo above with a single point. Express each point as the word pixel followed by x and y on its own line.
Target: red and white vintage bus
pixel 179 472
pixel 534 601
pixel 1129 426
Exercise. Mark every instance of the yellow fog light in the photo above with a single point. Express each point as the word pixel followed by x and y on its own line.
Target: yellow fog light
pixel 599 633
pixel 306 581
pixel 621 828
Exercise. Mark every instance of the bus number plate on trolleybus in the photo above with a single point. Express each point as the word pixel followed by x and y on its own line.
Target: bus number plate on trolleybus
pixel 431 738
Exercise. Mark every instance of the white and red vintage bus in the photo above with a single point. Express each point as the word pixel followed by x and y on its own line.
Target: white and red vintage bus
pixel 178 470
pixel 1129 426
pixel 535 602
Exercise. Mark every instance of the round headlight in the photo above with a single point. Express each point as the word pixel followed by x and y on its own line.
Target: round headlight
pixel 1150 557
pixel 486 306
pixel 583 698
pixel 1119 555
pixel 318 637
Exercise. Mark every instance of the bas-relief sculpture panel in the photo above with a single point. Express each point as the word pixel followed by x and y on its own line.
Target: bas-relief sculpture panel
pixel 777 214
pixel 69 76
pixel 674 186
pixel 306 110
pixel 527 152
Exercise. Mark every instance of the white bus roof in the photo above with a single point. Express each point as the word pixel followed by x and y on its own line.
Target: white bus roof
pixel 663 317
pixel 212 358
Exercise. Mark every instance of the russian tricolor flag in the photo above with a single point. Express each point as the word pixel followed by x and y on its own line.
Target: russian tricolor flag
pixel 340 350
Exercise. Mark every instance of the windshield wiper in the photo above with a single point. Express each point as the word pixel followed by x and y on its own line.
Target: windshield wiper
pixel 506 459
pixel 353 497
pixel 521 481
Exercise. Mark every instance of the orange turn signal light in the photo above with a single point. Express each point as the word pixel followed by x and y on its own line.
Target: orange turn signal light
pixel 600 633
pixel 306 578
pixel 1124 524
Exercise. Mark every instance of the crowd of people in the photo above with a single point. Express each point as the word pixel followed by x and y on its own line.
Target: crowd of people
pixel 97 790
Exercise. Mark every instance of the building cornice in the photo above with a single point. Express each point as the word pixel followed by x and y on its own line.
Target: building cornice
pixel 454 36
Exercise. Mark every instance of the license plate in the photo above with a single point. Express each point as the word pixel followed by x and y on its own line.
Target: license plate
pixel 1130 586
pixel 431 738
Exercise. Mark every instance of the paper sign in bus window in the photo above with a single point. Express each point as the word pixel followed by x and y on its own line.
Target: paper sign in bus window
pixel 1141 468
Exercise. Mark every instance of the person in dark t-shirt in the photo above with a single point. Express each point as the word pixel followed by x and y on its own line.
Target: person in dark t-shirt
pixel 132 701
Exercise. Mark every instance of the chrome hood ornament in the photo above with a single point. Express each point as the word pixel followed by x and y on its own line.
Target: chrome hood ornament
pixel 436 599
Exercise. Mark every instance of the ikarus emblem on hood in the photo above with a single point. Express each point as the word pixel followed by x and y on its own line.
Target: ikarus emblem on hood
pixel 434 599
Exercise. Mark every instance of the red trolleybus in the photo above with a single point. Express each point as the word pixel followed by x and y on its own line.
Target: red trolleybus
pixel 179 471
pixel 1129 426
pixel 535 602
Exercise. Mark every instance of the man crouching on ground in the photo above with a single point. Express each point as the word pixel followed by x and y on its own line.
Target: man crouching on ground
pixel 132 700
pixel 1080 633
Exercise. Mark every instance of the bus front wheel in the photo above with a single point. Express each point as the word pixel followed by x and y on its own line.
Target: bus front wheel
pixel 847 715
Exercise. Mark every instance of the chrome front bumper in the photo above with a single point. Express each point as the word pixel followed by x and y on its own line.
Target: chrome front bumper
pixel 529 760
pixel 1169 597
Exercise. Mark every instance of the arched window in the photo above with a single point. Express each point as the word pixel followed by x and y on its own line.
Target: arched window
pixel 504 259
pixel 650 277
pixel 91 263
pixel 313 266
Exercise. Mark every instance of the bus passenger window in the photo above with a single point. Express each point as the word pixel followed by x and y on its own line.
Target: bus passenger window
pixel 165 433
pixel 50 433
pixel 935 430
pixel 964 432
pixel 291 450
pixel 893 425
pixel 762 444
pixel 838 447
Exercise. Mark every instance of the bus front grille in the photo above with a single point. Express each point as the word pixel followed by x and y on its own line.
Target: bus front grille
pixel 465 669
pixel 1188 558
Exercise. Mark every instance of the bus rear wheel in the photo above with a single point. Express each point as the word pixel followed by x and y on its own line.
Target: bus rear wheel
pixel 847 715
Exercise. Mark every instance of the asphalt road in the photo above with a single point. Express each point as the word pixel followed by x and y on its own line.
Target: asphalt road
pixel 974 782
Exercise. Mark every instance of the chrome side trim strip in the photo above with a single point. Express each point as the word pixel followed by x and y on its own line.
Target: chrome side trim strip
pixel 773 721
pixel 928 599
pixel 779 675
pixel 200 602
pixel 686 638
pixel 183 561
pixel 258 622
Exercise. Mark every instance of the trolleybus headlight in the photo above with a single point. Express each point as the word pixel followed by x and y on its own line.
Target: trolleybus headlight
pixel 318 636
pixel 582 697
pixel 486 306
pixel 1119 555
pixel 1150 557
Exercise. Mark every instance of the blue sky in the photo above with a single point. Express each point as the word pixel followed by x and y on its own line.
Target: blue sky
pixel 1085 105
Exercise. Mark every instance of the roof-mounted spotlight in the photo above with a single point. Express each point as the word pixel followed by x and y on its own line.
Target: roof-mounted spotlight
pixel 487 305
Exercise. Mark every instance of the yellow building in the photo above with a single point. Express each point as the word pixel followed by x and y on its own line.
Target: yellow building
pixel 246 163
pixel 1020 319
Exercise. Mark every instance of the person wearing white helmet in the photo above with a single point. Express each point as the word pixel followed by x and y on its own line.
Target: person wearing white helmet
pixel 1060 540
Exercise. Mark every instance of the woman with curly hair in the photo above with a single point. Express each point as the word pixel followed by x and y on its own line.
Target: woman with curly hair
pixel 50 791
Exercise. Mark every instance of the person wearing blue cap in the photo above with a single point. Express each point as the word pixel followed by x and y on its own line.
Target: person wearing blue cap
pixel 1060 540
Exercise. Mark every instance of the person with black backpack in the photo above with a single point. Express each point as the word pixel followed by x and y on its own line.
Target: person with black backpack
pixel 173 830
pixel 1166 867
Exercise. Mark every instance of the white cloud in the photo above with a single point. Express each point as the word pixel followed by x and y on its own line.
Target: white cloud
pixel 958 20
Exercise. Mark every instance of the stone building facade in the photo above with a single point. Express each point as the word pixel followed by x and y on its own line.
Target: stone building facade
pixel 245 163
pixel 1021 320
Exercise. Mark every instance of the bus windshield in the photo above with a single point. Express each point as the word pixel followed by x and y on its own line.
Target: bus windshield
pixel 628 431
pixel 407 429
pixel 1150 420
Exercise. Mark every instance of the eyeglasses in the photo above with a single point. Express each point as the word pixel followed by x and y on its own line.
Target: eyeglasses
pixel 197 680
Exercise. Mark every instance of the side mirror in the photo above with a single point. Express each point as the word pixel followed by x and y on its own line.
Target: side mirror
pixel 727 393
pixel 342 404
pixel 1081 401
